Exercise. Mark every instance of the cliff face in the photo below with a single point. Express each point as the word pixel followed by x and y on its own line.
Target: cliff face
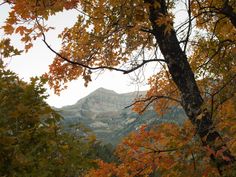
pixel 103 112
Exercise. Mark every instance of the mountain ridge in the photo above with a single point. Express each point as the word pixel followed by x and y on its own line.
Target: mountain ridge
pixel 102 90
pixel 103 112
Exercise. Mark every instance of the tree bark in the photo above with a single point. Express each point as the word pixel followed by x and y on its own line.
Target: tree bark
pixel 228 11
pixel 183 77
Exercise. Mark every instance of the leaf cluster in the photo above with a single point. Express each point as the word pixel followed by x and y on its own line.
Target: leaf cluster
pixel 31 139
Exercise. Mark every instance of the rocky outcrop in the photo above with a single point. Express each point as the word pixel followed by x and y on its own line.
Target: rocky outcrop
pixel 103 111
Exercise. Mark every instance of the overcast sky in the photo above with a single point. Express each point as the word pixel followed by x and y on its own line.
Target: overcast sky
pixel 36 61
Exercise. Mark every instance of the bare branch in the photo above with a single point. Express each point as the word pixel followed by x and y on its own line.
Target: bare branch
pixel 232 80
pixel 227 83
pixel 124 71
pixel 151 100
pixel 189 26
pixel 5 2
pixel 220 46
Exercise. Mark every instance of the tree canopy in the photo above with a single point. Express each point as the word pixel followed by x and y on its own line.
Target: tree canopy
pixel 31 138
pixel 197 59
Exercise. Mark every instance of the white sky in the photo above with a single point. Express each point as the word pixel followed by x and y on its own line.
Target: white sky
pixel 36 61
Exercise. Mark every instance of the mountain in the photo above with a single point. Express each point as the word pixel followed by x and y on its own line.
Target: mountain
pixel 103 111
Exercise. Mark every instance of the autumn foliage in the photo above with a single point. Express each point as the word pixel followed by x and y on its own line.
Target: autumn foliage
pixel 196 57
pixel 163 150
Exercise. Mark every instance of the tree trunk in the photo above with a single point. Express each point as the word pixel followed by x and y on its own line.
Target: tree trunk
pixel 183 77
pixel 228 11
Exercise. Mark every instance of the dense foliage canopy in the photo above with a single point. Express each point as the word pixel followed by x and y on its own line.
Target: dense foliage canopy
pixel 31 138
pixel 198 72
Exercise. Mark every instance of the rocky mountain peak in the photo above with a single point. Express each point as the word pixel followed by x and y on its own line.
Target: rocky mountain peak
pixel 102 90
pixel 103 112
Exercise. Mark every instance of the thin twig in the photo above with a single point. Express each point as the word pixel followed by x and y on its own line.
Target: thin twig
pixel 153 98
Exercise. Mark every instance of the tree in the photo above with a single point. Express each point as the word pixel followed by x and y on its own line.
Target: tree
pixel 31 139
pixel 198 68
pixel 163 150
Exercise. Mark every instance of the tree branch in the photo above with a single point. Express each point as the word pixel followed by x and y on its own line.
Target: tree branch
pixel 223 86
pixel 124 71
pixel 151 100
pixel 189 26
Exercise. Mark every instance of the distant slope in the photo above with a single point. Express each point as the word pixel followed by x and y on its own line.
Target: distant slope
pixel 103 111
